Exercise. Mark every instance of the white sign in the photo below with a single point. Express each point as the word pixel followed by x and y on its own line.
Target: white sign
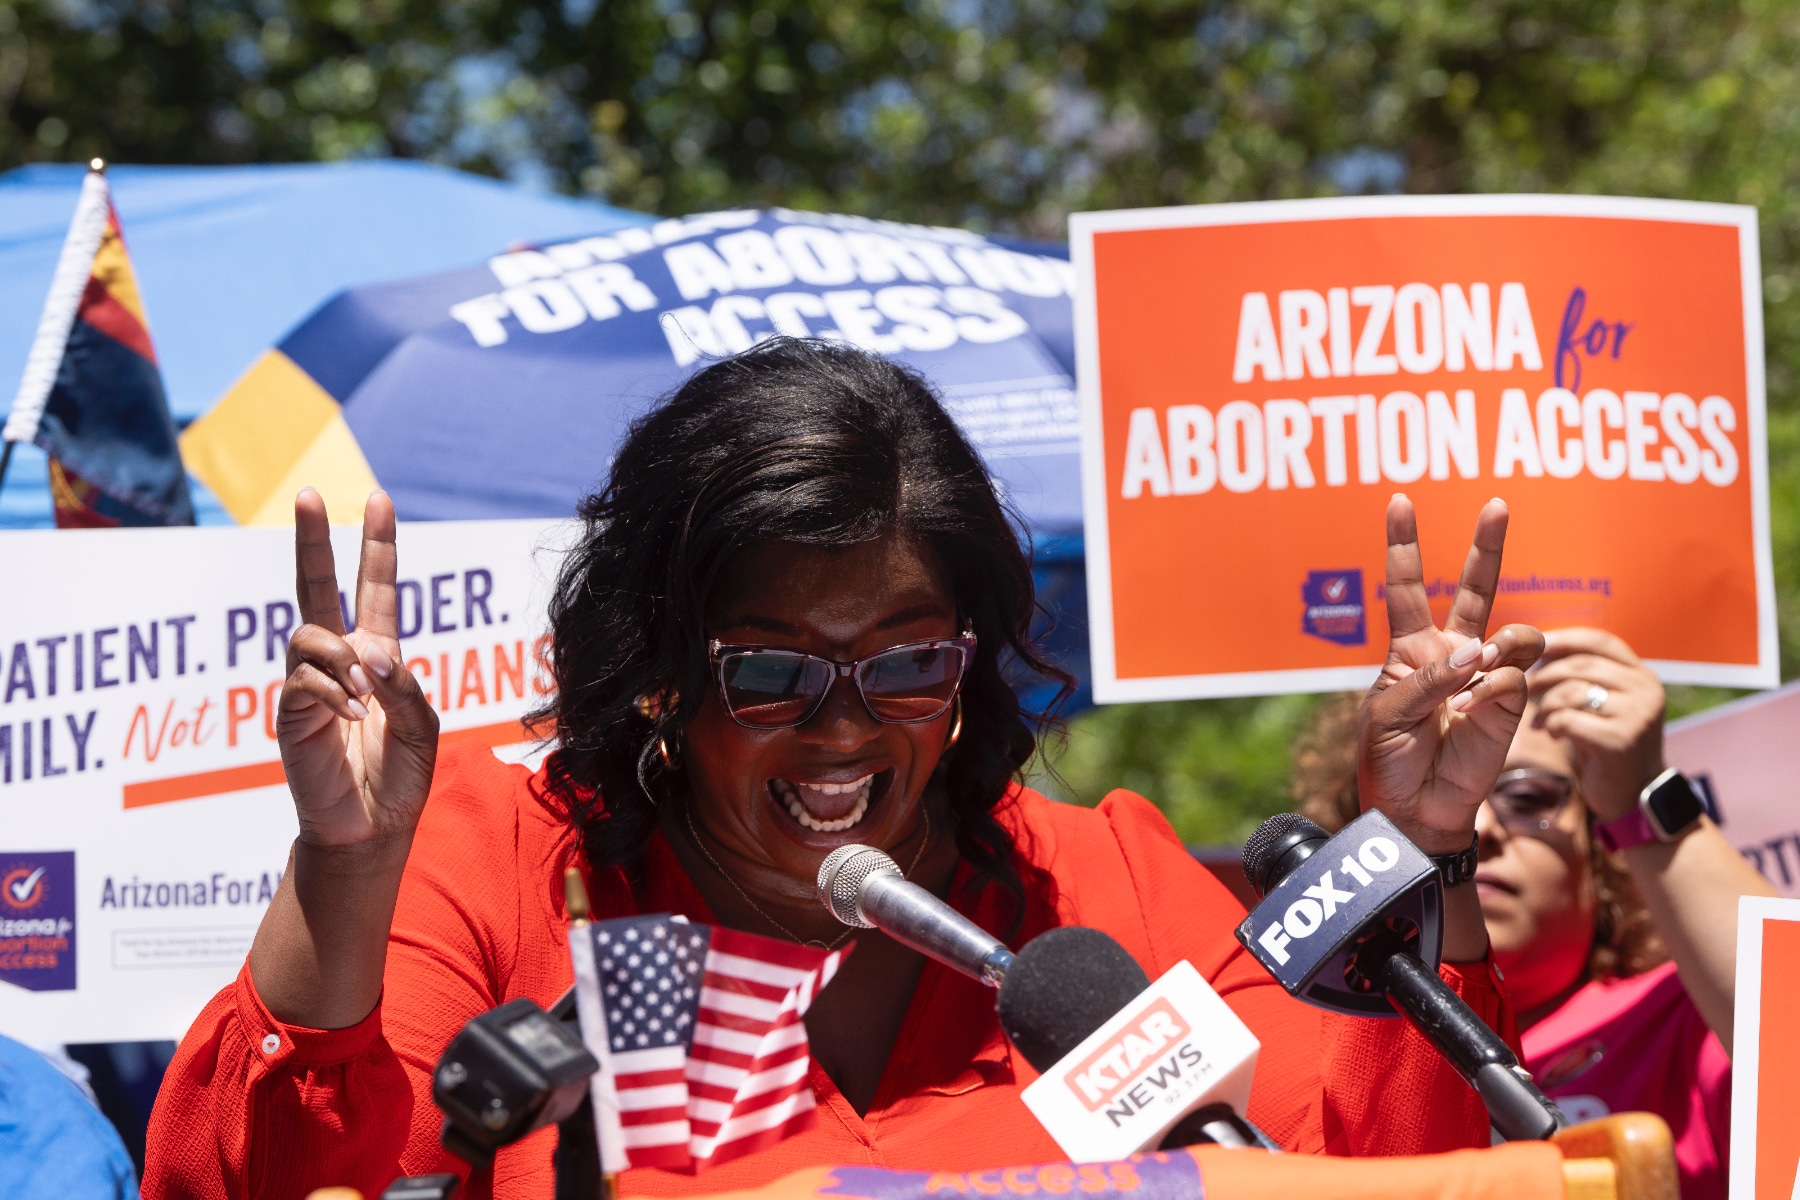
pixel 1747 754
pixel 1173 1048
pixel 144 817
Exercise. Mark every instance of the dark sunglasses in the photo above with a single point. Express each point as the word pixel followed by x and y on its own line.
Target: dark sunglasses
pixel 1529 799
pixel 766 688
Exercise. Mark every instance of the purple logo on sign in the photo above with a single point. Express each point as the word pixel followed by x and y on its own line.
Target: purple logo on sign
pixel 37 920
pixel 1333 607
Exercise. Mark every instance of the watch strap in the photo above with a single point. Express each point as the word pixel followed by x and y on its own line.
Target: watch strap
pixel 1622 833
pixel 1459 867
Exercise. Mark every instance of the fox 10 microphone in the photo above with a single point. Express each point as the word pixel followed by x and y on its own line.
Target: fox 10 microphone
pixel 1125 1065
pixel 1354 924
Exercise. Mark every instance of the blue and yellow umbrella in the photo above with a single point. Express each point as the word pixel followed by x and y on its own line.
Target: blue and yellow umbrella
pixel 502 390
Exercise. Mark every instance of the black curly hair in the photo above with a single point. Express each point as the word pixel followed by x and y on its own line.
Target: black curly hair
pixel 800 441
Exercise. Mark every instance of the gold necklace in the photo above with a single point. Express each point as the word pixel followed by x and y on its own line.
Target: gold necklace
pixel 687 811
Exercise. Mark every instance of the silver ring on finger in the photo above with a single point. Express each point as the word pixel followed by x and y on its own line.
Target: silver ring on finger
pixel 1597 697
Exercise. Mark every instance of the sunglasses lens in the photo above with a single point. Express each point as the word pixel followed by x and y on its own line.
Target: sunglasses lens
pixel 1529 800
pixel 772 688
pixel 912 684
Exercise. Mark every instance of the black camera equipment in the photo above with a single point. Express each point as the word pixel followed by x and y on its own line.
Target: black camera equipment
pixel 509 1071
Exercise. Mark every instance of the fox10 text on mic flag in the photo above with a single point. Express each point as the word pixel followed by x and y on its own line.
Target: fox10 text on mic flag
pixel 1257 380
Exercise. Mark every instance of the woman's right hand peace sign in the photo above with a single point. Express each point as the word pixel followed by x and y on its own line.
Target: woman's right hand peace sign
pixel 358 737
pixel 1435 729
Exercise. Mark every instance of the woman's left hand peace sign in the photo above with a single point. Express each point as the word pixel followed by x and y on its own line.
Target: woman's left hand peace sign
pixel 1435 729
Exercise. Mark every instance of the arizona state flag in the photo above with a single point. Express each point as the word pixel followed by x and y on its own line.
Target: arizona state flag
pixel 92 396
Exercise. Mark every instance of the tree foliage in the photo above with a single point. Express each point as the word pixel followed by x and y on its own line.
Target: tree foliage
pixel 1003 114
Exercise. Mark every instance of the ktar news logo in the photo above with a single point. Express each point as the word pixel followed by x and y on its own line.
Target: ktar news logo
pixel 1144 1060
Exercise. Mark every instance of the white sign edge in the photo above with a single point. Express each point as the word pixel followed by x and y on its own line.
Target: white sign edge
pixel 1096 536
pixel 1746 1046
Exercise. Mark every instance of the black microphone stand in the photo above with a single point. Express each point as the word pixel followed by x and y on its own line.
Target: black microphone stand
pixel 1217 1125
pixel 577 1158
pixel 579 1172
pixel 1519 1111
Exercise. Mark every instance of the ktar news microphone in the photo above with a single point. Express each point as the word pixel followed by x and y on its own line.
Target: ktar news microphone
pixel 1144 1065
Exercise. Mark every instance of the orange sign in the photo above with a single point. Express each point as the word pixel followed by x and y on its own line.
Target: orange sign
pixel 1257 379
pixel 1765 1082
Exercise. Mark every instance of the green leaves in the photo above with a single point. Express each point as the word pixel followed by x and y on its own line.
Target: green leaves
pixel 989 113
pixel 1216 767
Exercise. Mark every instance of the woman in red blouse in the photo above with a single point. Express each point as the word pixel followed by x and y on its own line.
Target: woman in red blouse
pixel 799 506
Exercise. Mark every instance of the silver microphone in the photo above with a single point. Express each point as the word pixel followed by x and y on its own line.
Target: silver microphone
pixel 863 887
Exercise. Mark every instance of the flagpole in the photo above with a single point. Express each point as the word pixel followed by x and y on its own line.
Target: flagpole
pixel 66 286
pixel 73 265
pixel 580 1173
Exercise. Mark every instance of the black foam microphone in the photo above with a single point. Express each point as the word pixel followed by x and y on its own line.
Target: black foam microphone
pixel 1352 923
pixel 1063 985
pixel 1068 982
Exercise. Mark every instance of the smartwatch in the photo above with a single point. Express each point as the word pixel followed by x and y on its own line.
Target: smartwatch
pixel 1667 808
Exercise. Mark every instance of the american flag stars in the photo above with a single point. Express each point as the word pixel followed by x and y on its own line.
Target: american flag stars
pixel 648 967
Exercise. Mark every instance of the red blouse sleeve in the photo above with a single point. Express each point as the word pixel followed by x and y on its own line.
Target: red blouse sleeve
pixel 1324 1082
pixel 254 1107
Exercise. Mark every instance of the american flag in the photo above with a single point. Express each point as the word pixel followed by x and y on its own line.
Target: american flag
pixel 703 1055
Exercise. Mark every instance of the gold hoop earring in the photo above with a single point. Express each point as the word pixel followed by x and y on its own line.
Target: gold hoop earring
pixel 955 725
pixel 671 762
pixel 651 705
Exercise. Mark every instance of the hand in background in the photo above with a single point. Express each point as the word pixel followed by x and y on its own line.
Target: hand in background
pixel 1616 743
pixel 1592 691
pixel 1435 729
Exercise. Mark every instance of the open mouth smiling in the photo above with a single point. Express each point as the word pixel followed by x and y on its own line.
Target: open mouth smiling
pixel 829 806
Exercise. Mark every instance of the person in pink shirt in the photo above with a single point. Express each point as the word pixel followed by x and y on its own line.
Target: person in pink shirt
pixel 1617 940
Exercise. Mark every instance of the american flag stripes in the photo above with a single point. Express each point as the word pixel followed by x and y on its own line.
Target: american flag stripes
pixel 699 1035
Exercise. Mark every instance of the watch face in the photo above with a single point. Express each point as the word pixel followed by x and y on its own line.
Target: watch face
pixel 1672 805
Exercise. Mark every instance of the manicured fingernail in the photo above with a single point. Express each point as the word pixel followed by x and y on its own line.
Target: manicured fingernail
pixel 1490 654
pixel 1462 701
pixel 1466 653
pixel 358 709
pixel 359 680
pixel 378 661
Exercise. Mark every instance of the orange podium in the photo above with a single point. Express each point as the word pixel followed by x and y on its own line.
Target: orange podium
pixel 1628 1156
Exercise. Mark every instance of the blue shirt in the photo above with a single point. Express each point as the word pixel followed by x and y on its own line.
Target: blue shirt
pixel 53 1142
